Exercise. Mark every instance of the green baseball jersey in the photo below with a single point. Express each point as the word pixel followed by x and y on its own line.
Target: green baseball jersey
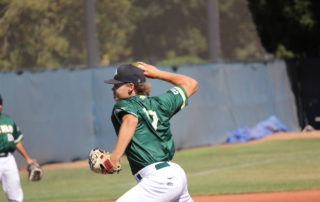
pixel 10 134
pixel 152 141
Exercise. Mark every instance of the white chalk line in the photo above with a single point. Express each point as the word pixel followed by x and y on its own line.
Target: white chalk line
pixel 251 163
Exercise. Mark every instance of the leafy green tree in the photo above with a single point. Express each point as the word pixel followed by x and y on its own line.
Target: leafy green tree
pixel 40 34
pixel 50 34
pixel 288 28
pixel 114 24
pixel 239 38
pixel 176 31
pixel 167 30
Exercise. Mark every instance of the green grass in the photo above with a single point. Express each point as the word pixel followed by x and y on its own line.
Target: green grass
pixel 269 166
pixel 276 165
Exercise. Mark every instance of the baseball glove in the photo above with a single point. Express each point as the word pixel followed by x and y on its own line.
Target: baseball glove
pixel 99 162
pixel 34 171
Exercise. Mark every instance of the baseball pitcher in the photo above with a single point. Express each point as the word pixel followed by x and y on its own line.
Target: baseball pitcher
pixel 142 124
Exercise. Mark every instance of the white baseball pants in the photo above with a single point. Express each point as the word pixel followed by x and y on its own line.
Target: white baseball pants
pixel 10 178
pixel 166 184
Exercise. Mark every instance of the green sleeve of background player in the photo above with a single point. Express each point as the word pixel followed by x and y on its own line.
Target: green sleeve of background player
pixel 17 134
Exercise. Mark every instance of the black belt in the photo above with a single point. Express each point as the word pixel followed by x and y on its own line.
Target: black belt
pixel 157 166
pixel 4 154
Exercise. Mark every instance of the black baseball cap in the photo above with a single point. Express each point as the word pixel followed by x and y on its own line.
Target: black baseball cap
pixel 127 73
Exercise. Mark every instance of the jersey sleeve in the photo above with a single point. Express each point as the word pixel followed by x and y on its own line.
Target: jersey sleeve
pixel 10 134
pixel 124 107
pixel 17 134
pixel 173 100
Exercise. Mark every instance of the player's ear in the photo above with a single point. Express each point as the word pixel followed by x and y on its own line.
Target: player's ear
pixel 130 85
pixel 131 88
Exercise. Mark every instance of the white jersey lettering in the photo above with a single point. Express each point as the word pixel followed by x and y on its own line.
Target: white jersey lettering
pixel 6 129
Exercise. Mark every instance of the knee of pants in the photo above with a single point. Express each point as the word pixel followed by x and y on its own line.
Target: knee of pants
pixel 15 196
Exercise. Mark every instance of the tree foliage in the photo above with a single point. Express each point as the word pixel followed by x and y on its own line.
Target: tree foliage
pixel 114 24
pixel 168 29
pixel 288 28
pixel 40 33
pixel 50 34
pixel 239 38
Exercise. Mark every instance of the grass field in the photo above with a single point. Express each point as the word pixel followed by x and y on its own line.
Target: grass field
pixel 274 165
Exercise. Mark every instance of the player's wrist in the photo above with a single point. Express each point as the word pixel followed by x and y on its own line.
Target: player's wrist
pixel 161 75
pixel 115 159
pixel 30 160
pixel 100 162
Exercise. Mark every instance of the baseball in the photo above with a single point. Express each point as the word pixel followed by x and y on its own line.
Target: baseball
pixel 137 64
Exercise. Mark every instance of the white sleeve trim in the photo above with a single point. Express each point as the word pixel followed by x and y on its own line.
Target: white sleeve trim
pixel 18 139
pixel 183 95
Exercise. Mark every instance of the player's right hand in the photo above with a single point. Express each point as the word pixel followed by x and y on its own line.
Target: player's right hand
pixel 149 71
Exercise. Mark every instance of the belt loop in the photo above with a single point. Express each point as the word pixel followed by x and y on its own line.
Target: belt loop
pixel 162 165
pixel 139 177
pixel 4 154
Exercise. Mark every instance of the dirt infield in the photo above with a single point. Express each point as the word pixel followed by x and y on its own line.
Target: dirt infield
pixel 289 196
pixel 291 135
pixel 282 135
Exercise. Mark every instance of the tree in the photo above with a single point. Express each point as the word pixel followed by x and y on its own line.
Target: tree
pixel 33 34
pixel 50 34
pixel 288 28
pixel 176 31
pixel 169 30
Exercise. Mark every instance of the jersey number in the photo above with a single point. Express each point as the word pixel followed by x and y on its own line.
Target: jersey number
pixel 153 116
pixel 10 138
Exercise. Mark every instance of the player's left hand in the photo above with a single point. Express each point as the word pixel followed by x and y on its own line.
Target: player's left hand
pixel 35 173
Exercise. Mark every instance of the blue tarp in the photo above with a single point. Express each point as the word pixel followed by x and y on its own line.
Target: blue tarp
pixel 262 129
